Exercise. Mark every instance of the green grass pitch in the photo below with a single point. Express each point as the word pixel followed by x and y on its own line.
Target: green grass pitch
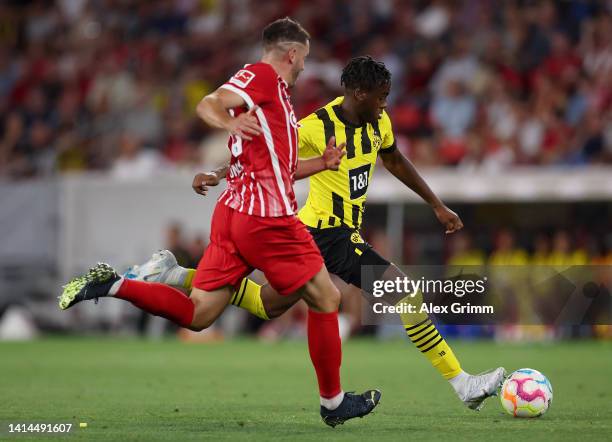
pixel 245 390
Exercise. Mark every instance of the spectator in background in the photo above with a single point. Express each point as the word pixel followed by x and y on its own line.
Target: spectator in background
pixel 541 250
pixel 175 242
pixel 134 161
pixel 195 248
pixel 506 253
pixel 562 253
pixel 462 252
pixel 454 111
pixel 461 66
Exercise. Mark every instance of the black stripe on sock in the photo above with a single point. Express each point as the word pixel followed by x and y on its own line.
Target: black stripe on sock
pixel 437 335
pixel 421 330
pixel 328 125
pixel 412 327
pixel 245 282
pixel 338 206
pixel 319 223
pixel 420 338
pixel 366 144
pixel 432 345
pixel 350 142
pixel 331 221
pixel 355 216
pixel 236 294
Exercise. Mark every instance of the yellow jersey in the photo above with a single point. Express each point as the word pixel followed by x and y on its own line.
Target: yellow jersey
pixel 337 198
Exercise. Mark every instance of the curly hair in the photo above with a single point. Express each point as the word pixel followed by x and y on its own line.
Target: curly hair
pixel 364 73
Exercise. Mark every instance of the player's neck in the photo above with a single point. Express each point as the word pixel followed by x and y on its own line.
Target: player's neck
pixel 280 68
pixel 348 112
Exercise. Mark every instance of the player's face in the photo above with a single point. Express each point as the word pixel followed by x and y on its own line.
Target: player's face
pixel 298 56
pixel 374 103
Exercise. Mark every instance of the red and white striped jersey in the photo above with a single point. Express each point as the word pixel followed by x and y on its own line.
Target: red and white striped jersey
pixel 262 171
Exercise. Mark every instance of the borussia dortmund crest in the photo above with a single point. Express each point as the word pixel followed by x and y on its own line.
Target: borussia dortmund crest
pixel 376 142
pixel 356 238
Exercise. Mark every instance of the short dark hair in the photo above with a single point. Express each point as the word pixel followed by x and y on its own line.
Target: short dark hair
pixel 284 30
pixel 364 73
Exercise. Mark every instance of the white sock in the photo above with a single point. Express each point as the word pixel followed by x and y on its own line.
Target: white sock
pixel 334 402
pixel 459 381
pixel 115 287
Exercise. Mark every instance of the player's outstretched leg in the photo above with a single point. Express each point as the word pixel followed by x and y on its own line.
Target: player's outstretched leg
pixel 472 390
pixel 158 299
pixel 162 267
pixel 325 351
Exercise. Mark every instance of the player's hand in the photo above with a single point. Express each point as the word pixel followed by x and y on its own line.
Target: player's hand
pixel 245 125
pixel 449 219
pixel 202 181
pixel 332 155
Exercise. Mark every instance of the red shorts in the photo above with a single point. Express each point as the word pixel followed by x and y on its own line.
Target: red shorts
pixel 281 247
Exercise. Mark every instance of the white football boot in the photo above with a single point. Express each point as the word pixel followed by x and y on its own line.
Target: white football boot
pixel 161 267
pixel 474 389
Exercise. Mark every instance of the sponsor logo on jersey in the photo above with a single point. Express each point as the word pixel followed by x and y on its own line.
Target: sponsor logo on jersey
pixel 235 169
pixel 242 78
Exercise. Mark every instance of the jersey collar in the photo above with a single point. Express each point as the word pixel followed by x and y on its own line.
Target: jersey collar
pixel 338 112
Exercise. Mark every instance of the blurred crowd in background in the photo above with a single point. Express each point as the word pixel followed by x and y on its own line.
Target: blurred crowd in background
pixel 111 85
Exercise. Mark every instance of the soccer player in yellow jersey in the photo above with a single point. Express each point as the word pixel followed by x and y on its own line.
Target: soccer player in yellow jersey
pixel 334 210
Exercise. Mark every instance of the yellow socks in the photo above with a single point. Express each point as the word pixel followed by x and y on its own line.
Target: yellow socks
pixel 425 336
pixel 186 283
pixel 248 297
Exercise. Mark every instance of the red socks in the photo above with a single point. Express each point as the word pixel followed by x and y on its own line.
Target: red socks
pixel 325 351
pixel 158 299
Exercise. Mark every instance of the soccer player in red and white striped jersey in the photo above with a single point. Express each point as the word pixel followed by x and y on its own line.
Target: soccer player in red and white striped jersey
pixel 262 169
pixel 254 225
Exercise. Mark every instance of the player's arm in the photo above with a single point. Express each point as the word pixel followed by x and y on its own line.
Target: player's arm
pixel 214 108
pixel 330 160
pixel 404 170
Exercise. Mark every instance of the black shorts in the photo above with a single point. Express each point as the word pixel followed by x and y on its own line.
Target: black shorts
pixel 345 251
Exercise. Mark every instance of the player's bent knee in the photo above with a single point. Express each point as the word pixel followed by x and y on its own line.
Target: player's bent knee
pixel 201 322
pixel 321 293
pixel 198 326
pixel 331 302
pixel 208 306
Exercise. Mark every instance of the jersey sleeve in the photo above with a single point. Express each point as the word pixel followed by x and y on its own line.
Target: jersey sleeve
pixel 386 133
pixel 311 138
pixel 252 83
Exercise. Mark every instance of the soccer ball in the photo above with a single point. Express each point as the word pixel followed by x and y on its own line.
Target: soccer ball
pixel 526 393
